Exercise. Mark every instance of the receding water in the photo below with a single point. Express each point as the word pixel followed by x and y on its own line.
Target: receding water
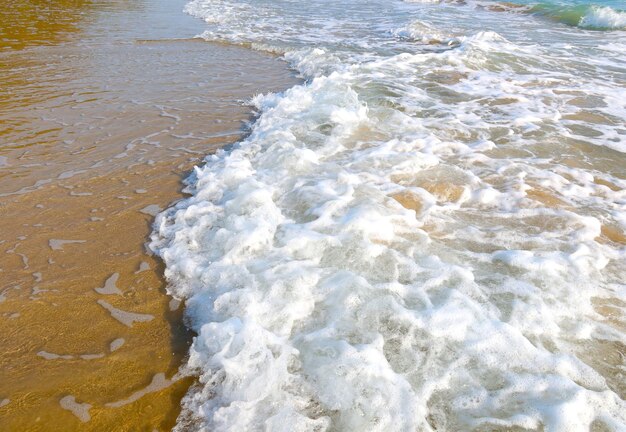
pixel 104 106
pixel 429 234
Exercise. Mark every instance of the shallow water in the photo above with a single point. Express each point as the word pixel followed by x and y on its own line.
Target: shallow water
pixel 429 234
pixel 103 107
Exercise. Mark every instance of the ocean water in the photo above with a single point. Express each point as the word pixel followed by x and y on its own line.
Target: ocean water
pixel 428 234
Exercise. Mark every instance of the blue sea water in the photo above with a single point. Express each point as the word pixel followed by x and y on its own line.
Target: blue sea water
pixel 428 234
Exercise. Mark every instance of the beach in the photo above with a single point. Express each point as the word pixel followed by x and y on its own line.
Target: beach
pixel 105 109
pixel 284 215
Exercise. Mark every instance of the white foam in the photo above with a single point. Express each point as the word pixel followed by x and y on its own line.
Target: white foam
pixel 294 262
pixel 117 344
pixel 143 266
pixel 423 32
pixel 70 174
pixel 604 18
pixel 152 210
pixel 92 356
pixel 403 242
pixel 110 287
pixel 80 410
pixel 174 304
pixel 53 356
pixel 28 189
pixel 126 318
pixel 57 244
pixel 159 382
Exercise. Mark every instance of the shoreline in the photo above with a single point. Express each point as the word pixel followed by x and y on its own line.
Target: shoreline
pixel 106 137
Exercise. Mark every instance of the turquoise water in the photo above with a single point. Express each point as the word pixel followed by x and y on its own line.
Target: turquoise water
pixel 601 15
pixel 428 234
pixel 615 4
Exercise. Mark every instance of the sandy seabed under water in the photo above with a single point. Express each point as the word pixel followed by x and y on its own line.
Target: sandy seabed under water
pixel 105 107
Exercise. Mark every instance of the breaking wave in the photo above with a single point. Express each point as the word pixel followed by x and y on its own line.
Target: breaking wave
pixel 409 240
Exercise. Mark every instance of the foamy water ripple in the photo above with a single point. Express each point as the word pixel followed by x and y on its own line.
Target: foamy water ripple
pixel 428 234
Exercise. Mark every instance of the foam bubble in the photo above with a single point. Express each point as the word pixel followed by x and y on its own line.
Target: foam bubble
pixel 116 344
pixel 57 244
pixel 152 210
pixel 80 410
pixel 126 318
pixel 143 266
pixel 159 382
pixel 91 356
pixel 110 286
pixel 53 356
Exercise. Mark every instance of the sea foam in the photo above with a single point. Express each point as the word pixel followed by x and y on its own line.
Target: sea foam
pixel 604 18
pixel 402 243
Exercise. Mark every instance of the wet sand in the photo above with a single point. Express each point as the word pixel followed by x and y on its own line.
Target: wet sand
pixel 102 114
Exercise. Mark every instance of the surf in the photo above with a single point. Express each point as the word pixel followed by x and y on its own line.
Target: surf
pixel 590 17
pixel 405 241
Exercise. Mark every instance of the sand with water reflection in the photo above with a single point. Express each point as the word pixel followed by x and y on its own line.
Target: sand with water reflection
pixel 104 108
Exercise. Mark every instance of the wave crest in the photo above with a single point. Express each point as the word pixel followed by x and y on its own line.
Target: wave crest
pixel 603 18
pixel 587 17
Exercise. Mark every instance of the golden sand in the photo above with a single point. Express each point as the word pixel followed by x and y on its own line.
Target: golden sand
pixel 95 138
